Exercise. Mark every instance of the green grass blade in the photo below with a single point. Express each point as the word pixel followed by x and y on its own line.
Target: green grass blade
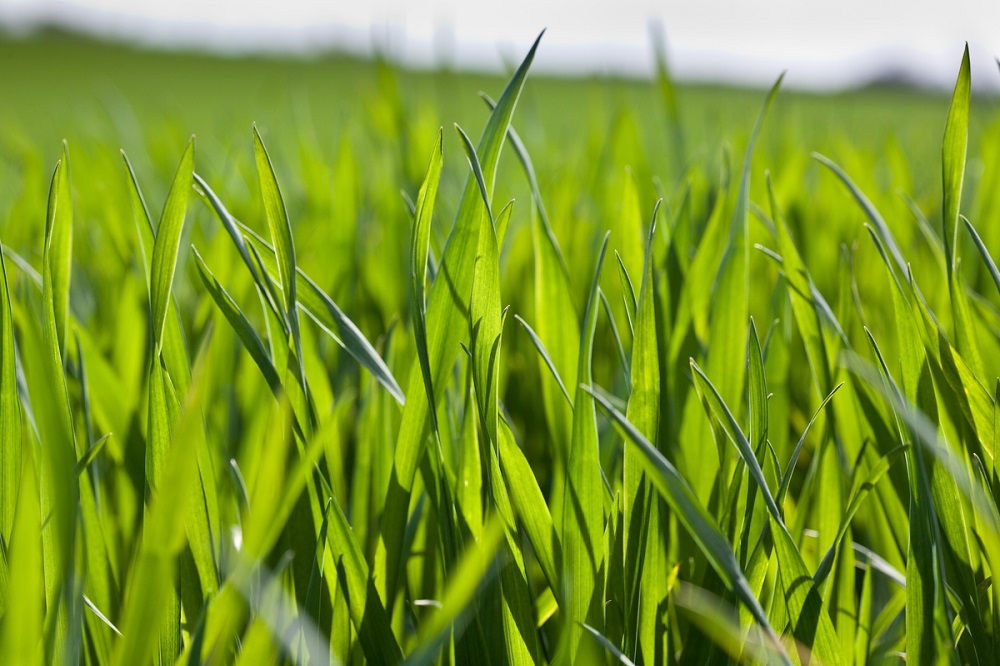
pixel 811 624
pixel 419 251
pixel 232 228
pixel 59 247
pixel 140 214
pixel 984 253
pixel 92 452
pixel 167 244
pixel 247 335
pixel 731 291
pixel 583 514
pixel 858 494
pixel 544 354
pixel 446 328
pixel 284 246
pixel 953 151
pixel 868 207
pixel 10 413
pixel 607 645
pixel 147 614
pixel 928 634
pixel 22 641
pixel 786 478
pixel 631 302
pixel 641 516
pixel 59 489
pixel 529 505
pixel 484 309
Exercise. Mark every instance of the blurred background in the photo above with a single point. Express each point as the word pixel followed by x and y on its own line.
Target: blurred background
pixel 823 45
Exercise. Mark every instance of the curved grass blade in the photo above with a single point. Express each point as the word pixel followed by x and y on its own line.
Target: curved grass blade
pixel 484 308
pixel 92 452
pixel 732 428
pixel 540 347
pixel 232 228
pixel 607 645
pixel 241 326
pixel 786 478
pixel 811 624
pixel 331 319
pixel 983 252
pixel 868 207
pixel 617 337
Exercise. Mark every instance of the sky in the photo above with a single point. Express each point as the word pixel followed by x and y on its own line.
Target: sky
pixel 822 45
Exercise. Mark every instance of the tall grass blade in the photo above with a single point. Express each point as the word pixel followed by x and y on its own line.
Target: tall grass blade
pixel 167 244
pixel 583 513
pixel 10 414
pixel 447 315
pixel 641 514
pixel 419 251
pixel 731 291
pixel 284 248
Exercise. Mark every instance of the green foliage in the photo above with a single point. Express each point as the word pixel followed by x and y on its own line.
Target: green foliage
pixel 193 472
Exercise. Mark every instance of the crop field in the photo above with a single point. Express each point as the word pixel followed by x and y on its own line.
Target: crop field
pixel 330 361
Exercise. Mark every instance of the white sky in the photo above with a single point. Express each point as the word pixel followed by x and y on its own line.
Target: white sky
pixel 821 44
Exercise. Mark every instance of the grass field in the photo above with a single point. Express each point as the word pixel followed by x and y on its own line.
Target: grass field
pixel 719 385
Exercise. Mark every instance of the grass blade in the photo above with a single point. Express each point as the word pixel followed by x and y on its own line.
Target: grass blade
pixel 167 244
pixel 419 251
pixel 284 248
pixel 447 324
